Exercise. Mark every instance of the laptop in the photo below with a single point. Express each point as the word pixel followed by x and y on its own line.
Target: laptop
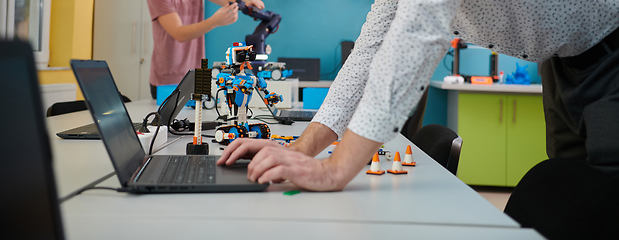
pixel 168 110
pixel 138 172
pixel 30 202
pixel 288 114
pixel 305 69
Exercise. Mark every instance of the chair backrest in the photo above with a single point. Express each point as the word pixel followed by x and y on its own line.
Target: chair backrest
pixel 66 107
pixel 72 106
pixel 414 123
pixel 441 143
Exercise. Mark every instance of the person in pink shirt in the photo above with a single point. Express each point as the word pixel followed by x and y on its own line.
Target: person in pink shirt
pixel 178 33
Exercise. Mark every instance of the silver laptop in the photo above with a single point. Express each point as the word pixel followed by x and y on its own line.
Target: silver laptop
pixel 288 114
pixel 136 171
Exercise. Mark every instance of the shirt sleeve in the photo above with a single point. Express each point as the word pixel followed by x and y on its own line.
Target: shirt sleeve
pixel 400 71
pixel 347 88
pixel 159 8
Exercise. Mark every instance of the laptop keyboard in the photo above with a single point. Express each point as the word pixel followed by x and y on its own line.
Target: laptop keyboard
pixel 299 114
pixel 189 170
pixel 136 126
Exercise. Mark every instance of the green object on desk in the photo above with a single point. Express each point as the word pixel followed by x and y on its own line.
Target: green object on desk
pixel 293 192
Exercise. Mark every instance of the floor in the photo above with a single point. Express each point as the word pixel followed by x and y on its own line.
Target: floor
pixel 498 196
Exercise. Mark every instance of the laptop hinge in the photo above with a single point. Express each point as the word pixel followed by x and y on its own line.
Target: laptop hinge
pixel 137 176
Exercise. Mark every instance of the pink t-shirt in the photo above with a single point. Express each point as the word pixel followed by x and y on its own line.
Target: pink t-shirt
pixel 172 59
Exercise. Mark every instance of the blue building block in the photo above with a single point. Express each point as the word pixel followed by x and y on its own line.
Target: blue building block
pixel 313 97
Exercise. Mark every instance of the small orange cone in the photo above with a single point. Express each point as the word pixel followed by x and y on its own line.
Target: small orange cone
pixel 408 159
pixel 396 168
pixel 375 167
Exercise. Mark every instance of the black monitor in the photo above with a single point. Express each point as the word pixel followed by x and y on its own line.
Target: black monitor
pixel 29 199
pixel 306 69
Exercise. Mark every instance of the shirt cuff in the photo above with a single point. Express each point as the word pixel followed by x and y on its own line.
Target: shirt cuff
pixel 334 117
pixel 376 123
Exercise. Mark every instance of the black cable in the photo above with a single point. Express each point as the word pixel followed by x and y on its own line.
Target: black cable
pixel 259 118
pixel 217 99
pixel 91 185
pixel 152 142
pixel 252 112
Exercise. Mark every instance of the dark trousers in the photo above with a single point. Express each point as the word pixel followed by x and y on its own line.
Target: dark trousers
pixel 153 91
pixel 567 199
pixel 581 108
pixel 575 194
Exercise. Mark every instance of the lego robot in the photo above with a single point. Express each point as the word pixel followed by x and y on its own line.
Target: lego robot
pixel 238 83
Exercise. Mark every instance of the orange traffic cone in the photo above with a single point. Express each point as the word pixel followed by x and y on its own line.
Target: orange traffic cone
pixel 408 159
pixel 375 167
pixel 396 168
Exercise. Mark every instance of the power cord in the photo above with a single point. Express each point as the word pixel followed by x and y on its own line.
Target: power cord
pixel 144 129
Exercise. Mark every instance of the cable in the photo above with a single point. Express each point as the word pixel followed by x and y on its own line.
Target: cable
pixel 217 99
pixel 91 185
pixel 158 117
pixel 260 118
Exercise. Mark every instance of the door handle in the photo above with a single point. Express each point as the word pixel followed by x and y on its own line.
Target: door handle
pixel 500 110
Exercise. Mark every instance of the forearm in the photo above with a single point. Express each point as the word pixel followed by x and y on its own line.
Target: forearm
pixel 192 31
pixel 349 157
pixel 314 139
pixel 222 2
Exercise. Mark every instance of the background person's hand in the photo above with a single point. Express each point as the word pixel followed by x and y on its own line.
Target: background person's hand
pixel 226 15
pixel 255 3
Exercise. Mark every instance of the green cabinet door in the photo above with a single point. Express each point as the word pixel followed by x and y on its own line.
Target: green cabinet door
pixel 526 138
pixel 482 126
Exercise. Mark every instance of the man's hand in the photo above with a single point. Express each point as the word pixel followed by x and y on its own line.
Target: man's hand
pixel 226 15
pixel 255 3
pixel 244 148
pixel 274 162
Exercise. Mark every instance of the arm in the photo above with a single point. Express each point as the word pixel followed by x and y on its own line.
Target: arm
pixel 315 138
pixel 256 3
pixel 171 22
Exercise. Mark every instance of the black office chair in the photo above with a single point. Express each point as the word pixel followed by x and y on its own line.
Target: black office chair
pixel 414 123
pixel 567 199
pixel 73 106
pixel 66 107
pixel 441 143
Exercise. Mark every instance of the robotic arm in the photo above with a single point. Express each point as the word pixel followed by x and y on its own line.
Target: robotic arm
pixel 268 25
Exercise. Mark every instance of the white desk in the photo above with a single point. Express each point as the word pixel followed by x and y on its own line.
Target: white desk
pixel 182 227
pixel 428 195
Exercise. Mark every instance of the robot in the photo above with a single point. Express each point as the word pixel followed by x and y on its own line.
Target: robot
pixel 274 70
pixel 238 83
pixel 269 24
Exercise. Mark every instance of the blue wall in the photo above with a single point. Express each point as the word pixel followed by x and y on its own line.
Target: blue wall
pixel 315 29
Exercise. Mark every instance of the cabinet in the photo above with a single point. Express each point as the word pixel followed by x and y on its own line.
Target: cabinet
pixel 503 137
pixel 122 35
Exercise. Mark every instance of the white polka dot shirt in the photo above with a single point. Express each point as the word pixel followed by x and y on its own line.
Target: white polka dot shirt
pixel 402 42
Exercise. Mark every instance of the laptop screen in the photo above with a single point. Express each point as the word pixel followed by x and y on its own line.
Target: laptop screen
pixel 29 197
pixel 171 107
pixel 110 116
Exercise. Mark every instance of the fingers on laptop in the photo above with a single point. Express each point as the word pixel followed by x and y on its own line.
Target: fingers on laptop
pixel 243 148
